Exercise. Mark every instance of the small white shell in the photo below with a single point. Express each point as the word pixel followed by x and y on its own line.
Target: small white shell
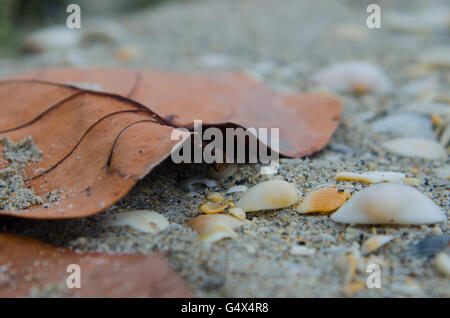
pixel 415 147
pixel 217 233
pixel 371 176
pixel 374 242
pixel 238 188
pixel 268 195
pixel 299 250
pixel 237 213
pixel 141 220
pixel 405 125
pixel 442 263
pixel 389 203
pixel 52 38
pixel 205 223
pixel 354 77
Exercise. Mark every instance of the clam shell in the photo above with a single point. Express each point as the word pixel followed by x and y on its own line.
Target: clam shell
pixel 323 200
pixel 374 242
pixel 212 207
pixel 442 263
pixel 217 233
pixel 237 213
pixel 371 176
pixel 205 223
pixel 405 125
pixel 354 77
pixel 415 147
pixel 389 203
pixel 141 220
pixel 268 195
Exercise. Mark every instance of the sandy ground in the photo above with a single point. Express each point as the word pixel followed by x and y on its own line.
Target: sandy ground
pixel 283 43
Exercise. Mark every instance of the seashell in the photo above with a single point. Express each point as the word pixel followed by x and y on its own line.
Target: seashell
pixel 215 197
pixel 268 195
pixel 429 246
pixel 405 125
pixel 323 200
pixel 237 213
pixel 51 38
pixel 141 220
pixel 188 184
pixel 238 188
pixel 299 250
pixel 374 242
pixel 421 87
pixel 100 30
pixel 86 85
pixel 347 266
pixel 217 233
pixel 389 203
pixel 205 223
pixel 356 77
pixel 442 263
pixel 221 171
pixel 436 56
pixel 428 108
pixel 212 207
pixel 371 176
pixel 415 147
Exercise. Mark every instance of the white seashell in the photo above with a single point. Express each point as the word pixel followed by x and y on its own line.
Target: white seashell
pixel 389 203
pixel 428 108
pixel 436 56
pixel 268 195
pixel 354 77
pixel 237 213
pixel 371 176
pixel 52 38
pixel 421 87
pixel 188 184
pixel 415 147
pixel 299 250
pixel 347 266
pixel 217 233
pixel 141 220
pixel 205 223
pixel 443 172
pixel 86 85
pixel 374 242
pixel 238 188
pixel 405 125
pixel 442 263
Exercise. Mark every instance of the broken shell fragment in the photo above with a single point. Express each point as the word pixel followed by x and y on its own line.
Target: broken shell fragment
pixel 141 220
pixel 205 223
pixel 323 200
pixel 237 213
pixel 215 197
pixel 238 188
pixel 217 233
pixel 374 242
pixel 371 176
pixel 429 246
pixel 389 203
pixel 299 250
pixel 188 184
pixel 356 77
pixel 269 195
pixel 212 207
pixel 415 147
pixel 442 263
